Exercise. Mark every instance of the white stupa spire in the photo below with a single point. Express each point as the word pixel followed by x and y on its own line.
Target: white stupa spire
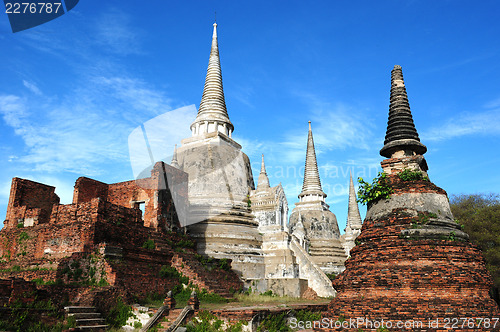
pixel 212 114
pixel 311 188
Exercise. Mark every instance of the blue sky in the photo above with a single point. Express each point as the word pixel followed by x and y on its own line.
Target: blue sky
pixel 72 90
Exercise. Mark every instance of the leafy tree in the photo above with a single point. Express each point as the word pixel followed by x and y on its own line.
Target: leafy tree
pixel 480 215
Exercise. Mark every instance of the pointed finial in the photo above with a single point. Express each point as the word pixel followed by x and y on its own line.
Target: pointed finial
pixel 174 162
pixel 215 17
pixel 263 181
pixel 312 183
pixel 353 216
pixel 401 133
pixel 213 105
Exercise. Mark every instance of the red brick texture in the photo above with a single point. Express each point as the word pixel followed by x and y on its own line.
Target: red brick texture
pixel 393 278
pixel 29 200
pixel 215 280
pixel 102 238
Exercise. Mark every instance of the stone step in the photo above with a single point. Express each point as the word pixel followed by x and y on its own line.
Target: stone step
pixel 86 318
pixel 77 309
pixel 92 328
pixel 83 315
pixel 90 322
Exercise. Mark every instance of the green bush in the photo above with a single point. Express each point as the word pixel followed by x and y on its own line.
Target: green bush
pixel 224 264
pixel 307 315
pixel 119 313
pixel 171 272
pixel 378 189
pixel 206 297
pixel 409 175
pixel 276 322
pixel 208 322
pixel 479 215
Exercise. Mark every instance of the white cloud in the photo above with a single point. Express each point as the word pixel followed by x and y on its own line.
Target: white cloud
pixel 251 147
pixel 32 87
pixel 334 127
pixel 5 189
pixel 64 189
pixel 79 129
pixel 13 110
pixel 114 33
pixel 88 126
pixel 493 103
pixel 135 93
pixel 466 123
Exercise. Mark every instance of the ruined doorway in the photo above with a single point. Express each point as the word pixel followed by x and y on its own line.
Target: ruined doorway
pixel 141 205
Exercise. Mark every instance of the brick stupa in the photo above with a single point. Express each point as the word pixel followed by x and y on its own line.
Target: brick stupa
pixel 412 262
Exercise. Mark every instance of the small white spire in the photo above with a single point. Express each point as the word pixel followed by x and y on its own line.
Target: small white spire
pixel 263 182
pixel 174 162
pixel 212 113
pixel 353 217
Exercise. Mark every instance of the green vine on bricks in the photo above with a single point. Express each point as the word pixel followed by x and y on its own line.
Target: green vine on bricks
pixel 409 175
pixel 23 236
pixel 378 189
pixel 424 218
pixel 172 273
pixel 149 244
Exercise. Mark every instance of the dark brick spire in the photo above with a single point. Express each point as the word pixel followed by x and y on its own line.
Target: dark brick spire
pixel 401 133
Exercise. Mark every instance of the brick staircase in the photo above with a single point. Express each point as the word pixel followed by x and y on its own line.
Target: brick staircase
pixel 87 318
pixel 160 242
pixel 173 317
pixel 217 281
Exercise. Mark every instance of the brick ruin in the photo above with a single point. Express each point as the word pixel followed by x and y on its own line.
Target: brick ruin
pixel 412 262
pixel 103 239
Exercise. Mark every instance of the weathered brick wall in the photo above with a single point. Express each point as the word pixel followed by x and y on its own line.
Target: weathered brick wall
pixel 130 193
pixel 160 211
pixel 72 229
pixel 87 189
pixel 33 247
pixel 29 199
pixel 139 272
pixel 81 212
